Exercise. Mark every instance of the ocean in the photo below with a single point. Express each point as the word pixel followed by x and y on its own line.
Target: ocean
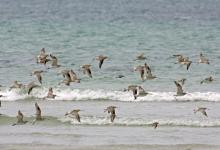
pixel 76 32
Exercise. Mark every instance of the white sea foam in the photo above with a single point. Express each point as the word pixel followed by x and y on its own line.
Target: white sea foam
pixel 89 94
pixel 102 121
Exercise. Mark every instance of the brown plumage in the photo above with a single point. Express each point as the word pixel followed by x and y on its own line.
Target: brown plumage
pixel 16 85
pixel 207 80
pixel 75 113
pixel 37 73
pixel 31 86
pixel 149 75
pixel 87 70
pixel 38 112
pixel 111 109
pixel 73 76
pixel 202 110
pixel 203 59
pixel 42 57
pixel 50 93
pixel 179 89
pixel 155 124
pixel 141 71
pixel 141 57
pixel 101 59
pixel 54 61
pixel 20 118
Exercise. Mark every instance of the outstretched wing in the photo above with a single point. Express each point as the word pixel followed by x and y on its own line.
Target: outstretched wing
pixel 100 63
pixel 179 88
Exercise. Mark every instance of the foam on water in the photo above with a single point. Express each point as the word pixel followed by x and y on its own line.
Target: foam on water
pixel 103 121
pixel 100 94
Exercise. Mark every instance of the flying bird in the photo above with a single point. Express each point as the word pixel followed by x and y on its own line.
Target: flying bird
pixel 54 61
pixel 16 85
pixel 202 110
pixel 141 57
pixel 179 89
pixel 50 93
pixel 207 80
pixel 149 75
pixel 101 59
pixel 75 113
pixel 87 70
pixel 31 86
pixel 20 118
pixel 141 71
pixel 155 124
pixel 203 59
pixel 111 109
pixel 37 73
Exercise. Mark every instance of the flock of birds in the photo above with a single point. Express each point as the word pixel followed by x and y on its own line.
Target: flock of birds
pixel 70 76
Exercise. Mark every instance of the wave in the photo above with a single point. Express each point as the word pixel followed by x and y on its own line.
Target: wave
pixel 105 121
pixel 119 121
pixel 100 94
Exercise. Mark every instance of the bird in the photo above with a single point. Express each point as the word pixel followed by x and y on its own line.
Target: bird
pixel 54 61
pixel 141 71
pixel 20 120
pixel 37 73
pixel 87 70
pixel 38 112
pixel 42 53
pixel 111 109
pixel 183 60
pixel 186 62
pixel 101 59
pixel 179 89
pixel 73 76
pixel 42 57
pixel 207 80
pixel 149 75
pixel 31 86
pixel 44 60
pixel 141 57
pixel 134 90
pixel 120 76
pixel 179 57
pixel 16 85
pixel 66 82
pixel 141 91
pixel 75 113
pixel 69 76
pixel 50 93
pixel 203 59
pixel 155 124
pixel 202 110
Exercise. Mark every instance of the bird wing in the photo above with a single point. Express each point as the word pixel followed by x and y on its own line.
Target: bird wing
pixel 88 71
pixel 100 63
pixel 179 88
pixel 112 116
pixel 142 74
pixel 77 117
pixel 188 65
pixel 39 77
pixel 38 110
pixel 204 113
pixel 31 86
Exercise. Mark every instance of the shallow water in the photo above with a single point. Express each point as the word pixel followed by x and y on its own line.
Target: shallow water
pixel 78 31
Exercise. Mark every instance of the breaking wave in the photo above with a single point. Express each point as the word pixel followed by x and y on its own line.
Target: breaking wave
pixel 103 121
pixel 100 94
